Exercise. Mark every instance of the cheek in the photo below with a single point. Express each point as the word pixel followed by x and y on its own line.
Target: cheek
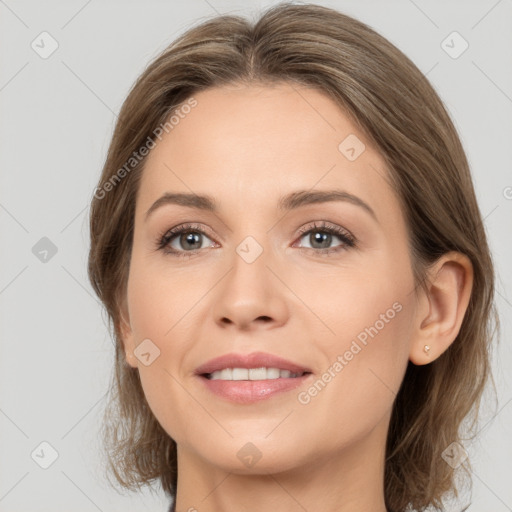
pixel 366 345
pixel 363 302
pixel 371 316
pixel 163 298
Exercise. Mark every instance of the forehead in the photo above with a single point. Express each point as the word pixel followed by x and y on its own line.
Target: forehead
pixel 246 144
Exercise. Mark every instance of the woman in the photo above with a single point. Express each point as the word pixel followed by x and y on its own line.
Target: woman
pixel 319 343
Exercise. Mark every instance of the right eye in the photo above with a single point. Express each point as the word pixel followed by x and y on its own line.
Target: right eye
pixel 183 241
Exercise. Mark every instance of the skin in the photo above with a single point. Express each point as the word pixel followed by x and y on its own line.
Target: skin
pixel 246 146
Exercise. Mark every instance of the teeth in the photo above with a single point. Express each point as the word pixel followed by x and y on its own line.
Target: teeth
pixel 252 374
pixel 226 374
pixel 257 373
pixel 240 374
pixel 273 373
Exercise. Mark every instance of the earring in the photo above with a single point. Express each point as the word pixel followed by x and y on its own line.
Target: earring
pixel 426 349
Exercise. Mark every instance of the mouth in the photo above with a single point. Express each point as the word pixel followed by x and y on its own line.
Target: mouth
pixel 261 373
pixel 248 378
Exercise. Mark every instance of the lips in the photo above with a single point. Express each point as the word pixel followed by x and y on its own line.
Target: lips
pixel 238 378
pixel 253 360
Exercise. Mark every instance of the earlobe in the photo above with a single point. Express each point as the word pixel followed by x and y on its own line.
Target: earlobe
pixel 442 307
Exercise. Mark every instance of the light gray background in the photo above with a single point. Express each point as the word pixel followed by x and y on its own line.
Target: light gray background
pixel 57 116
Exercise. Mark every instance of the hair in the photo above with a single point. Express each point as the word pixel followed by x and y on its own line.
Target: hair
pixel 399 112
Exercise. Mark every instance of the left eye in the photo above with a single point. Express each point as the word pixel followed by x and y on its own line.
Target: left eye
pixel 319 239
pixel 322 238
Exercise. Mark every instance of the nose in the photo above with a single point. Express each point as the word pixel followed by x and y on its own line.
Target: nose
pixel 251 296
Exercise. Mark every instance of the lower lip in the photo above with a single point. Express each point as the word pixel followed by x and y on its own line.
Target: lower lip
pixel 250 391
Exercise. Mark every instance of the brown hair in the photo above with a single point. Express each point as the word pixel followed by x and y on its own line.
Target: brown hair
pixel 394 105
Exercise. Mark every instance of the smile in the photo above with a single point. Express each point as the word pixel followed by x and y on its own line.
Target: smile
pixel 253 374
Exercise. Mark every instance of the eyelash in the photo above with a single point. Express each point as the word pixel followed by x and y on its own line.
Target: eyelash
pixel 349 241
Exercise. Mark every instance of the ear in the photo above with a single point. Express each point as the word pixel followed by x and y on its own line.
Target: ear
pixel 127 336
pixel 442 307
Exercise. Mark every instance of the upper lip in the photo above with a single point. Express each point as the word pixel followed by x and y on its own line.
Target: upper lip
pixel 252 360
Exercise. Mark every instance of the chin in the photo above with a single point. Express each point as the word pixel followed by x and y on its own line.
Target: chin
pixel 259 456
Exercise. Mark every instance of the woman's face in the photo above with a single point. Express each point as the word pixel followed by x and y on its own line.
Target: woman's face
pixel 305 258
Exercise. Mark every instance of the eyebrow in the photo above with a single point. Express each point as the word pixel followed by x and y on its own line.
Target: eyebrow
pixel 289 202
